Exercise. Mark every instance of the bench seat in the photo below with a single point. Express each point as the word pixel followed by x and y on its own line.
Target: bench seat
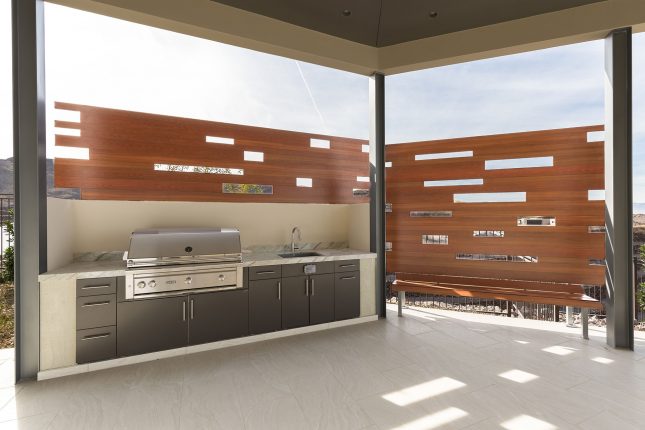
pixel 558 294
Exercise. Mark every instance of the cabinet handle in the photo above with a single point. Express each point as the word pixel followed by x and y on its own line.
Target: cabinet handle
pixel 348 277
pixel 313 292
pixel 95 336
pixel 87 305
pixel 95 287
pixel 192 309
pixel 183 310
pixel 264 272
pixel 279 290
pixel 347 265
pixel 307 287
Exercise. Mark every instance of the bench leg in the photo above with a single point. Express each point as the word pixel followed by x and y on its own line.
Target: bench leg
pixel 569 316
pixel 585 322
pixel 401 302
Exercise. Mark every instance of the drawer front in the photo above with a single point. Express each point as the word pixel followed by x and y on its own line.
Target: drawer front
pixel 347 266
pixel 265 272
pixel 95 311
pixel 347 295
pixel 323 267
pixel 95 286
pixel 95 344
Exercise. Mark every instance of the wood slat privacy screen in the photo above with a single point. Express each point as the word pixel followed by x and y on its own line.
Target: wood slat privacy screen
pixel 549 226
pixel 122 155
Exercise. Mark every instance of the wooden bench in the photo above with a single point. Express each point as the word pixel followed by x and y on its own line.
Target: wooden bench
pixel 569 295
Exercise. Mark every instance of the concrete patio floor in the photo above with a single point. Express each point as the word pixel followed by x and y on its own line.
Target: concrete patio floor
pixel 430 369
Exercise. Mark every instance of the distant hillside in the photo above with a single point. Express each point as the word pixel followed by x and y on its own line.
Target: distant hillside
pixel 6 181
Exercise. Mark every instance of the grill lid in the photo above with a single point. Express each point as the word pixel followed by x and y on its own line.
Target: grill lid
pixel 184 245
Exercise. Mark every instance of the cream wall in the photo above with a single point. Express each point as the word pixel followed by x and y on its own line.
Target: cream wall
pixel 61 228
pixel 75 226
pixel 358 234
pixel 106 225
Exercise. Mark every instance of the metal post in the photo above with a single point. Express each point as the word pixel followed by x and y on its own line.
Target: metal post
pixel 618 188
pixel 584 316
pixel 30 179
pixel 401 302
pixel 569 316
pixel 377 179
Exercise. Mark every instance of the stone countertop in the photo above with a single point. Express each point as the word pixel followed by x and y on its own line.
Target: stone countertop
pixel 110 268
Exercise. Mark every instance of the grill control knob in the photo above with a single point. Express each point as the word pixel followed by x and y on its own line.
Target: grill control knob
pixel 141 284
pixel 189 280
pixel 152 284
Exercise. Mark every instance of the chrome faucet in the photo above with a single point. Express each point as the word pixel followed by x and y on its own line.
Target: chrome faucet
pixel 293 242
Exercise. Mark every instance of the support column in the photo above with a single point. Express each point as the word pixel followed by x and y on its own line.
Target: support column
pixel 377 186
pixel 30 177
pixel 618 189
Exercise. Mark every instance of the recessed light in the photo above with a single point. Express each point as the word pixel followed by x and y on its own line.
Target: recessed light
pixel 433 14
pixel 347 12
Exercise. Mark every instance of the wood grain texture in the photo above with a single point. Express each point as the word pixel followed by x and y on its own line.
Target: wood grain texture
pixel 124 146
pixel 560 191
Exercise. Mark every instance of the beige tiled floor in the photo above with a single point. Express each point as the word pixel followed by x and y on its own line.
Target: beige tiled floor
pixel 433 369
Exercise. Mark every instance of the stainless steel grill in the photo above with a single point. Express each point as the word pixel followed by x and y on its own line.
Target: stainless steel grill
pixel 164 262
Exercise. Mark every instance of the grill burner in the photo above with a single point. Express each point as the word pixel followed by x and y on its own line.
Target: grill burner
pixel 165 262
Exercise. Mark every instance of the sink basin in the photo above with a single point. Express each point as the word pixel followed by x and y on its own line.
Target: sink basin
pixel 299 254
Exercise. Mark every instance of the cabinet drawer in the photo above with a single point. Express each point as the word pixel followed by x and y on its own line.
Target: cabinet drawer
pixel 95 286
pixel 95 311
pixel 347 295
pixel 347 266
pixel 95 344
pixel 298 269
pixel 265 272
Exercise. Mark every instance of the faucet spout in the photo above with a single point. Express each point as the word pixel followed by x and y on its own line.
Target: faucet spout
pixel 295 232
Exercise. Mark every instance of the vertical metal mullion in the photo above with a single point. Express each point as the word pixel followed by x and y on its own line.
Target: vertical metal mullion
pixel 30 177
pixel 377 185
pixel 618 188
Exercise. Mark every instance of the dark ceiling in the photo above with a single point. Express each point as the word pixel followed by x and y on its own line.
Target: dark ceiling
pixel 388 22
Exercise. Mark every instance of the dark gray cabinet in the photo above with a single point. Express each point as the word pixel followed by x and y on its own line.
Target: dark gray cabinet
pixel 151 325
pixel 321 299
pixel 295 302
pixel 347 295
pixel 217 316
pixel 95 319
pixel 95 344
pixel 265 309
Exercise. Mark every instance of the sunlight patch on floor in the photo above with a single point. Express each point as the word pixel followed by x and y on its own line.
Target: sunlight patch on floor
pixel 519 376
pixel 602 360
pixel 559 350
pixel 423 391
pixel 435 420
pixel 527 422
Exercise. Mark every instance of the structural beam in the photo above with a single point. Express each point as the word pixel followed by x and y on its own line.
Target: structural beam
pixel 30 178
pixel 618 189
pixel 377 179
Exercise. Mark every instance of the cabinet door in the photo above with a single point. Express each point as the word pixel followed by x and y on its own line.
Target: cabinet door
pixel 321 299
pixel 347 295
pixel 151 325
pixel 295 302
pixel 219 315
pixel 265 312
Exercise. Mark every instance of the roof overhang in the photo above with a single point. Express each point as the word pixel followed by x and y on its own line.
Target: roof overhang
pixel 210 20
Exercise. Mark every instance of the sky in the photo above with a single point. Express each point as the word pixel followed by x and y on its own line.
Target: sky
pixel 101 61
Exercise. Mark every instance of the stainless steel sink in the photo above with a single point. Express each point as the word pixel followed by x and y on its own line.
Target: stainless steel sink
pixel 299 254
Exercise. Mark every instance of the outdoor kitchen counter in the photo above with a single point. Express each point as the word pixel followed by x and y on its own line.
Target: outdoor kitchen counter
pixel 58 296
pixel 110 268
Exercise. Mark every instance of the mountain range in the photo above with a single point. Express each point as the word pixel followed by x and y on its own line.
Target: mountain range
pixel 6 181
